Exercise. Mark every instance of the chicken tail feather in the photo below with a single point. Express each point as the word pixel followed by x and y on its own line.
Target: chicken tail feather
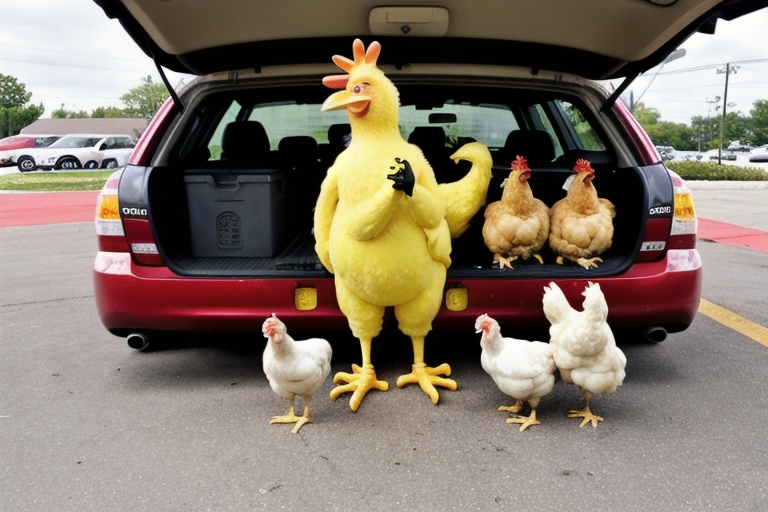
pixel 463 198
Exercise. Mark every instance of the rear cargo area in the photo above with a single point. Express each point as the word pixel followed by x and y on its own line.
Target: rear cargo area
pixel 252 223
pixel 235 194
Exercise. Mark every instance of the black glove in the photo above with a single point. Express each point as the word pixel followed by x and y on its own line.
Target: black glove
pixel 404 178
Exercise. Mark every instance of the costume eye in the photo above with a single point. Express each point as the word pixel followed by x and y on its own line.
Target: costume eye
pixel 357 89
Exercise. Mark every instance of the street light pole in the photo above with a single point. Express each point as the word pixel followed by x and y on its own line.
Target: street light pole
pixel 728 70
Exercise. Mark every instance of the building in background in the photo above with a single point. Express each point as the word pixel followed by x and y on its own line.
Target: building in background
pixel 130 126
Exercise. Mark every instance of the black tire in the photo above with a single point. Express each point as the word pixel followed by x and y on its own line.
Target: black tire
pixel 109 163
pixel 26 163
pixel 67 163
pixel 91 164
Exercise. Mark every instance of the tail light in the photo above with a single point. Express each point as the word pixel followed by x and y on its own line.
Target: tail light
pixel 109 227
pixel 122 231
pixel 684 222
pixel 682 254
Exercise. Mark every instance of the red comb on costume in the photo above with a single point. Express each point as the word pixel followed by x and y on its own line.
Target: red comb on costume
pixel 361 56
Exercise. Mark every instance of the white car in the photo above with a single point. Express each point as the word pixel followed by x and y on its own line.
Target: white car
pixel 11 147
pixel 79 151
pixel 759 154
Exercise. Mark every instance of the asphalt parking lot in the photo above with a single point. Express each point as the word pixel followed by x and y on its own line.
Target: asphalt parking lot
pixel 89 424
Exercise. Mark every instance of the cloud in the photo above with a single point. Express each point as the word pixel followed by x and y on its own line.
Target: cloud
pixel 69 52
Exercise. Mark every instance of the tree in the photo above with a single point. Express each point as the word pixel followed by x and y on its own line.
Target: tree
pixel 677 135
pixel 62 113
pixel 705 131
pixel 758 122
pixel 646 116
pixel 102 112
pixel 15 114
pixel 144 100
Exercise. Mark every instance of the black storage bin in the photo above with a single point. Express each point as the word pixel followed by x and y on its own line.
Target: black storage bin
pixel 236 213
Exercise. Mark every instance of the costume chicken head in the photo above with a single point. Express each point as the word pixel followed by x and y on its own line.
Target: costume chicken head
pixel 365 91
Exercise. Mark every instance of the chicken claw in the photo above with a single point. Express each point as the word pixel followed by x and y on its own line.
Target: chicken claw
pixel 587 415
pixel 589 263
pixel 359 382
pixel 511 408
pixel 292 418
pixel 427 378
pixel 526 421
pixel 504 262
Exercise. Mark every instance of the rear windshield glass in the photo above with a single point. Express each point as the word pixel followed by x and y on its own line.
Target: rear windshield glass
pixel 455 120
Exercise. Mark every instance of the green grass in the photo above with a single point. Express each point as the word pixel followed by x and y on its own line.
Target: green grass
pixel 710 171
pixel 55 181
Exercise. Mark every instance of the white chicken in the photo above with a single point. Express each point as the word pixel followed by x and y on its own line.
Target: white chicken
pixel 521 369
pixel 294 368
pixel 583 345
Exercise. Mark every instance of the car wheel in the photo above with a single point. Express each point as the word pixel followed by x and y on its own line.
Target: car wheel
pixel 109 164
pixel 26 163
pixel 67 163
pixel 91 164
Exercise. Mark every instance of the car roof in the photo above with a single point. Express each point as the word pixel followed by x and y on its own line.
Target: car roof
pixel 597 39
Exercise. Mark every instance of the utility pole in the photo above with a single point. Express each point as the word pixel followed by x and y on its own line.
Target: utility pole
pixel 728 70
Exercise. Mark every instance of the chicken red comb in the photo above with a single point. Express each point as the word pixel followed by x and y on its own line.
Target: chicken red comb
pixel 582 165
pixel 520 164
pixel 361 56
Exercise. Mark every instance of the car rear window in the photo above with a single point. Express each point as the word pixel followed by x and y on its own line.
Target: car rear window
pixel 486 123
pixel 451 115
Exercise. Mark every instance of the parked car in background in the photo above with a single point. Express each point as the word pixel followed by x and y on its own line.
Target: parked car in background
pixel 78 151
pixel 759 154
pixel 189 240
pixel 11 147
pixel 715 154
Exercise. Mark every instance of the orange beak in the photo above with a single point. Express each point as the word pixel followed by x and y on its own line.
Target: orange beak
pixel 356 104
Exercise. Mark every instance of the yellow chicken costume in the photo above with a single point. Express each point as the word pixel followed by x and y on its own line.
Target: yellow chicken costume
pixel 383 225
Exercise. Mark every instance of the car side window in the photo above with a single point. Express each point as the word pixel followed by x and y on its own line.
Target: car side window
pixel 214 143
pixel 542 122
pixel 585 135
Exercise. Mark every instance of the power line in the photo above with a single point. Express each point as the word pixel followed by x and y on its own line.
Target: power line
pixel 97 68
pixel 67 53
pixel 711 66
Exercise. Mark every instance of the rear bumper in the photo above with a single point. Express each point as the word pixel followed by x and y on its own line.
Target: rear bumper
pixel 131 298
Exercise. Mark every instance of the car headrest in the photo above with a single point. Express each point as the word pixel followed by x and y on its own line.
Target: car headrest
pixel 338 133
pixel 536 146
pixel 244 141
pixel 428 137
pixel 298 150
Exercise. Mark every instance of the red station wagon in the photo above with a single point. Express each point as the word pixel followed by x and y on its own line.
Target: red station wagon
pixel 209 226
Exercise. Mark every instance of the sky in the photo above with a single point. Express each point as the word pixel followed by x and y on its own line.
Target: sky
pixel 67 52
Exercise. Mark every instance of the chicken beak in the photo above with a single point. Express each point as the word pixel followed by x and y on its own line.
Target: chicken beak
pixel 356 104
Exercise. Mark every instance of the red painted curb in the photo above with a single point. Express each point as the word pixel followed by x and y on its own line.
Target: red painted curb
pixel 38 208
pixel 731 234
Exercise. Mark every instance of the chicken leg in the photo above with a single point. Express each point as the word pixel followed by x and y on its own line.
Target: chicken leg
pixel 502 261
pixel 526 421
pixel 427 378
pixel 360 381
pixel 587 263
pixel 585 412
pixel 291 416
